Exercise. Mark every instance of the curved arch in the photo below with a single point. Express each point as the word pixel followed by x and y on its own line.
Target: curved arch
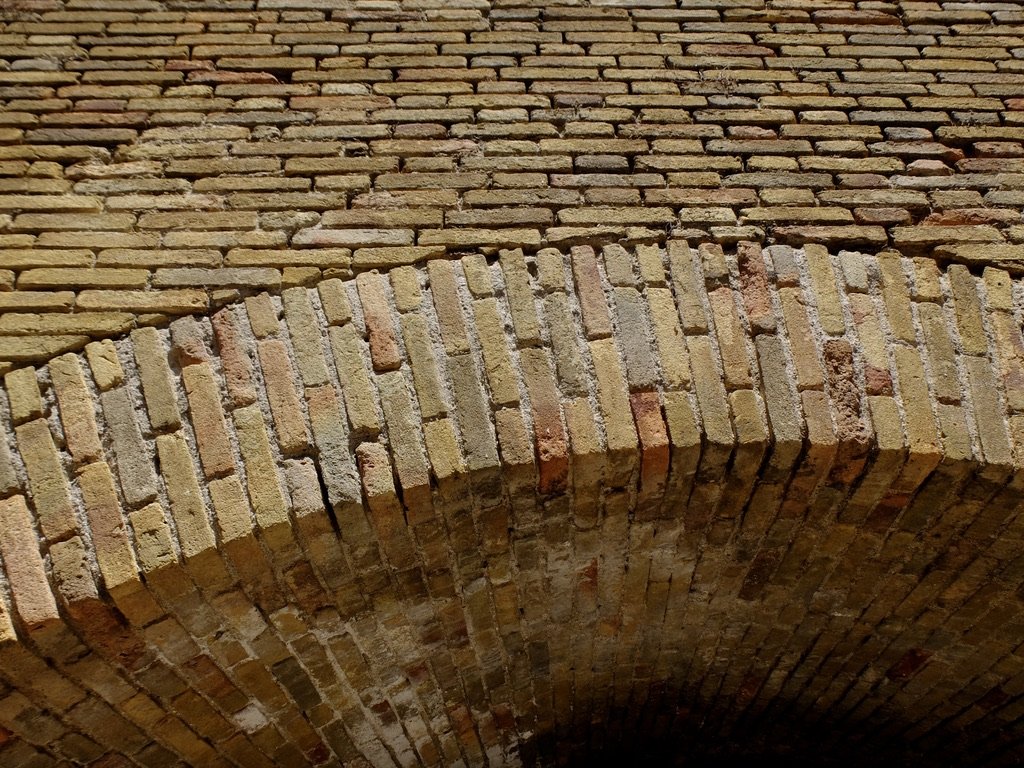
pixel 458 513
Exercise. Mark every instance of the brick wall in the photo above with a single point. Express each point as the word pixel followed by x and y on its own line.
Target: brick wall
pixel 548 382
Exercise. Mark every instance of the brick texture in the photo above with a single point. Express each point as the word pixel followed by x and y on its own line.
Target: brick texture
pixel 510 383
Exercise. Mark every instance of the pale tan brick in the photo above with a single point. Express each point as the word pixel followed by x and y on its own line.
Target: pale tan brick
pixel 501 378
pixel 195 535
pixel 161 401
pixel 49 487
pixel 77 412
pixel 360 399
pixel 23 394
pixel 104 364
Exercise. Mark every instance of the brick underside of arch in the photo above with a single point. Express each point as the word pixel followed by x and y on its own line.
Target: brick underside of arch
pixel 523 507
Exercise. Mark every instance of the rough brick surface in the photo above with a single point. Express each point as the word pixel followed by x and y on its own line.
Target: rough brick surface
pixel 494 383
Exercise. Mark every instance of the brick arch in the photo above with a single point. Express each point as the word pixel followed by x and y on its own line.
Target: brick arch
pixel 509 509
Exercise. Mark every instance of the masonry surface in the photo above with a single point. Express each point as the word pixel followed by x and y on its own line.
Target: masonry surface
pixel 510 383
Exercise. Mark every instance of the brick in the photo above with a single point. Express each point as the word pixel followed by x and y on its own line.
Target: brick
pixel 235 364
pixel 472 414
pixel 896 294
pixel 263 316
pixel 23 394
pixel 207 412
pixel 406 449
pixel 426 375
pixel 549 432
pixel 731 338
pixel 331 437
pixel 380 328
pixel 360 400
pixel 668 335
pixel 564 343
pixel 50 494
pixel 307 341
pixel 942 355
pixel 335 303
pixel 634 339
pixel 522 306
pixel 967 308
pixel 444 290
pixel 613 399
pixel 104 364
pixel 285 407
pixel 826 294
pixel 446 458
pixel 710 391
pixel 498 366
pixel 264 488
pixel 405 283
pixel 114 552
pixel 155 374
pixel 134 461
pixel 596 319
pixel 195 535
pixel 76 409
pixel 23 562
pixel 686 288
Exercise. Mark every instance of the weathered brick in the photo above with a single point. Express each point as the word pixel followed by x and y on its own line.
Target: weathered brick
pixel 195 535
pixel 425 371
pixel 23 394
pixel 114 552
pixel 613 398
pixel 235 364
pixel 444 290
pixel 593 304
pixel 76 409
pixel 104 364
pixel 825 293
pixel 307 340
pixel 360 400
pixel 501 379
pixel 334 300
pixel 134 463
pixel 206 409
pixel 380 327
pixel 265 493
pixel 23 562
pixel 161 401
pixel 285 408
pixel 50 494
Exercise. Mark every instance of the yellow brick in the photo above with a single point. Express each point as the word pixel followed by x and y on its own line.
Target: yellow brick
pixel 265 492
pixel 50 495
pixel 896 297
pixel 405 282
pixel 161 401
pixel 823 284
pixel 204 402
pixel 195 534
pixel 104 363
pixel 114 552
pixel 262 315
pixel 501 377
pixel 967 307
pixel 23 394
pixel 334 300
pixel 360 401
pixel 77 413
pixel 425 373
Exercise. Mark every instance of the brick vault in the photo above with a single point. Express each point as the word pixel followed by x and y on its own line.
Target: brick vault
pixel 510 383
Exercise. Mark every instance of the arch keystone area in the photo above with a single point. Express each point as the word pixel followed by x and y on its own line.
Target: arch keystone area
pixel 523 509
